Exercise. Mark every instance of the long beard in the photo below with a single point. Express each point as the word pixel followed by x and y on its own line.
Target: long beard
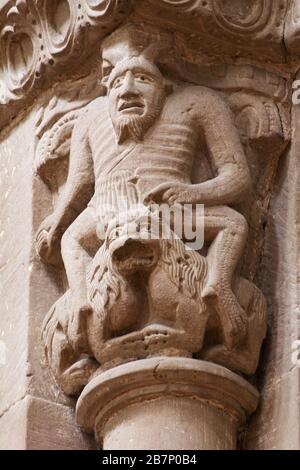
pixel 135 127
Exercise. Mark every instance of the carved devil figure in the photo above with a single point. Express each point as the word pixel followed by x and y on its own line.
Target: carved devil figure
pixel 132 297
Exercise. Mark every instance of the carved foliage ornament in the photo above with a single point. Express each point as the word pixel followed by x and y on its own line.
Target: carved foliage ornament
pixel 240 16
pixel 228 19
pixel 41 35
pixel 43 40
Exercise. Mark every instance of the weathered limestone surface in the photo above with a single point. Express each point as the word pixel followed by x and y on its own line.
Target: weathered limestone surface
pixel 109 109
pixel 162 402
pixel 36 424
pixel 27 289
pixel 276 426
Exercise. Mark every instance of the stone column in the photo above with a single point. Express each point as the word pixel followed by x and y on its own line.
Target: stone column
pixel 166 403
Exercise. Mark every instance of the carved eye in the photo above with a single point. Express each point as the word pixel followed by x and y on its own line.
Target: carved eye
pixel 117 82
pixel 143 78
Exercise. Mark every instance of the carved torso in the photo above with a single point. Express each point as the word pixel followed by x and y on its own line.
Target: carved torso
pixel 166 153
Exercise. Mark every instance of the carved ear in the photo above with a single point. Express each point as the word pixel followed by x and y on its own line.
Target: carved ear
pixel 106 69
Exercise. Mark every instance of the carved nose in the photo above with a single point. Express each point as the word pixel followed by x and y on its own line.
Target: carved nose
pixel 128 89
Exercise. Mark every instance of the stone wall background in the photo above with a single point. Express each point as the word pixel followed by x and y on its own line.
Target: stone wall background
pixel 33 411
pixel 276 422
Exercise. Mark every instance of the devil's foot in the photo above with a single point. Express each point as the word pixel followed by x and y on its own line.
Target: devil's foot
pixel 232 317
pixel 78 375
pixel 235 328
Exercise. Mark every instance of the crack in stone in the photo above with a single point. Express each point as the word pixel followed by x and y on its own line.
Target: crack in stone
pixel 6 410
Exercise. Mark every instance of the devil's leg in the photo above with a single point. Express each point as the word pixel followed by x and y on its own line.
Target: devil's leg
pixel 78 245
pixel 228 230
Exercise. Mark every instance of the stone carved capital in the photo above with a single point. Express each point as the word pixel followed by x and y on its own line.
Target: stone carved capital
pixel 228 331
pixel 129 300
pixel 44 41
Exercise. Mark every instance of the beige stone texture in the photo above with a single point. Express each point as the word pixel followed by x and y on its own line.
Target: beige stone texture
pixel 112 114
pixel 27 289
pixel 276 425
pixel 36 424
pixel 166 403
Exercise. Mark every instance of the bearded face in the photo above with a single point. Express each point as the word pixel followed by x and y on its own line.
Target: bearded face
pixel 136 94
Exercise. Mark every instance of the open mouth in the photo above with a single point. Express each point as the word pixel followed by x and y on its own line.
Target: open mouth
pixel 132 106
pixel 133 264
pixel 134 256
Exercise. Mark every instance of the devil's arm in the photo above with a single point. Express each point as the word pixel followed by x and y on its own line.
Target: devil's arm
pixel 80 182
pixel 221 141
